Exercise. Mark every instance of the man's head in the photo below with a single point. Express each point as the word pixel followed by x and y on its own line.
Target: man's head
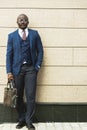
pixel 22 21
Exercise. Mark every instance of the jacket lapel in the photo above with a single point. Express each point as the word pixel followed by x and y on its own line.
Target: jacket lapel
pixel 30 38
pixel 18 40
pixel 18 37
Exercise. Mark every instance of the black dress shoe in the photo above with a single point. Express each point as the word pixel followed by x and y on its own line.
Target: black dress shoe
pixel 30 127
pixel 20 125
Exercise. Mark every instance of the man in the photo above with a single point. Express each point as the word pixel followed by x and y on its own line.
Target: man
pixel 23 61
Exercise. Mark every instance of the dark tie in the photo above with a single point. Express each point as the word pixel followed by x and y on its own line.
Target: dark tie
pixel 24 35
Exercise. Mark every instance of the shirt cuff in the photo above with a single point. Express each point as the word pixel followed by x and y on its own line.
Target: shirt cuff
pixel 37 67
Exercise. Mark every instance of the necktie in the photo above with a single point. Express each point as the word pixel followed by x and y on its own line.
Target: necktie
pixel 24 35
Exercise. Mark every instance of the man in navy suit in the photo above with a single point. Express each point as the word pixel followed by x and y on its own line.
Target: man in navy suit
pixel 23 61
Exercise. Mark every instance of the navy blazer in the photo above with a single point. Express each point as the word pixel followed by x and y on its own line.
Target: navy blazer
pixel 13 55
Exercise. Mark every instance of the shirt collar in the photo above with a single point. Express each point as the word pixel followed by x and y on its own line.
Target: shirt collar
pixel 20 31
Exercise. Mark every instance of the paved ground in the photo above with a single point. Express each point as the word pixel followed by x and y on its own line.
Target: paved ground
pixel 48 126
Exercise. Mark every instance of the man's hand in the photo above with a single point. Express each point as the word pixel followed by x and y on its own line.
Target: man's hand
pixel 10 76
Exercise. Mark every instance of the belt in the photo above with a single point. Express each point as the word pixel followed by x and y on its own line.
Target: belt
pixel 26 64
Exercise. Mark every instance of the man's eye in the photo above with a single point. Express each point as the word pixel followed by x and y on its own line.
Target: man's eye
pixel 20 20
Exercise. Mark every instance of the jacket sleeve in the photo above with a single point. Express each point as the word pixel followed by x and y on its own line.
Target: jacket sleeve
pixel 9 54
pixel 39 48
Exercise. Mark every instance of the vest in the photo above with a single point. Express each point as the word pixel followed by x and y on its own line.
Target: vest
pixel 25 51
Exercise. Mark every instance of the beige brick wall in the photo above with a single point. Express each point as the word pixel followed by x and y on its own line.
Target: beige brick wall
pixel 62 25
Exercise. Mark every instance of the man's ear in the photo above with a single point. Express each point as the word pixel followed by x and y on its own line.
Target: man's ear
pixel 17 22
pixel 28 22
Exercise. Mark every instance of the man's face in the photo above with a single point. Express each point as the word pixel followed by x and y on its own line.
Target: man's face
pixel 22 21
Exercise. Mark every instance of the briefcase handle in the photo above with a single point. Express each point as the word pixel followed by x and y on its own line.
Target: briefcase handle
pixel 11 84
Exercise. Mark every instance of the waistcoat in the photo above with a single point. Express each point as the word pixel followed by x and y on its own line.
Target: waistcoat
pixel 25 51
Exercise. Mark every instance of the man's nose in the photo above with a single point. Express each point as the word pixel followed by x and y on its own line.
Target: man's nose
pixel 22 21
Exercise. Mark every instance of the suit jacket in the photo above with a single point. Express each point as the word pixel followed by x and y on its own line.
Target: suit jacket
pixel 13 55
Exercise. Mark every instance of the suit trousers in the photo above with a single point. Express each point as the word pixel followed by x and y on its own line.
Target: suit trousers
pixel 26 80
